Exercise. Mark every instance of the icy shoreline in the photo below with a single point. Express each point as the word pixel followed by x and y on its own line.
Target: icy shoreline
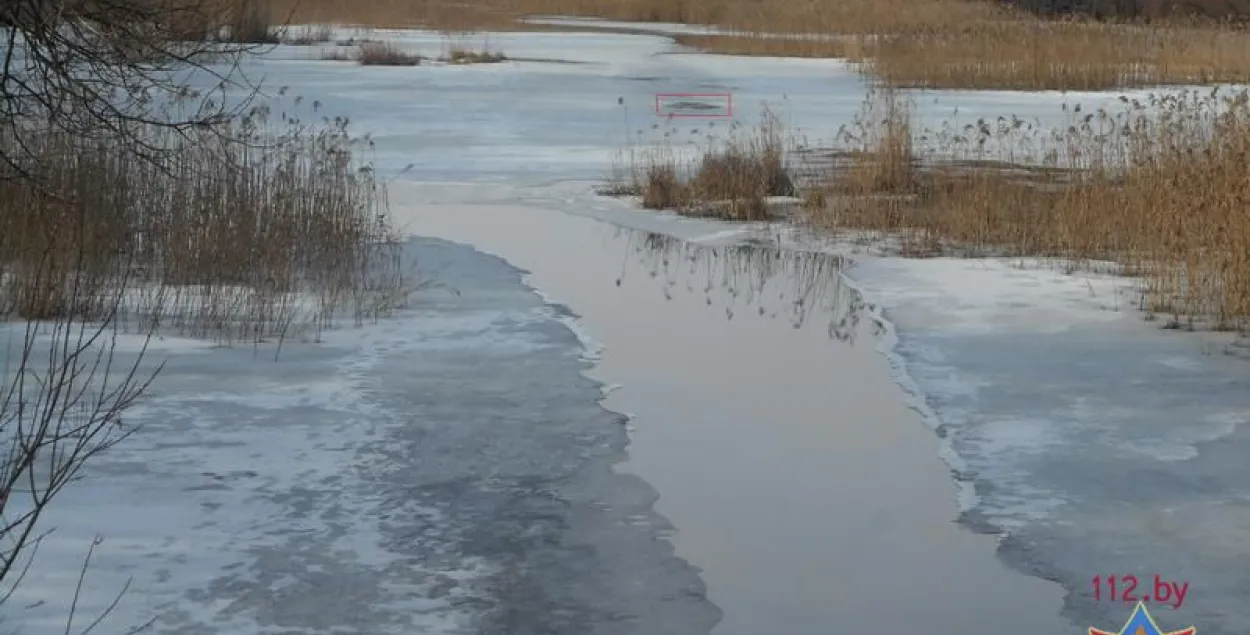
pixel 441 470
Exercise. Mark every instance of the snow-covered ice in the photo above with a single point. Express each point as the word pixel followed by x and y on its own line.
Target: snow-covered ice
pixel 1103 444
pixel 1099 444
pixel 436 472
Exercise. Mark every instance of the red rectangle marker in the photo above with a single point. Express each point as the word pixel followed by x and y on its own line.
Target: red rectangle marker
pixel 697 105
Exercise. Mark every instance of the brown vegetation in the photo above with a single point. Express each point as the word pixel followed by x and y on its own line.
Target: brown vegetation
pixel 220 239
pixel 920 43
pixel 467 56
pixel 440 14
pixel 385 54
pixel 1037 54
pixel 1159 188
pixel 771 45
pixel 250 22
pixel 1023 53
pixel 731 180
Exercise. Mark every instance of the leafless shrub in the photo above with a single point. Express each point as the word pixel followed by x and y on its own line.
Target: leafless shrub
pixel 62 399
pixel 113 69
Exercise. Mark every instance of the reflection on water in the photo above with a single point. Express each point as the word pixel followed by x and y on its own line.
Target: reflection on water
pixel 750 278
pixel 803 466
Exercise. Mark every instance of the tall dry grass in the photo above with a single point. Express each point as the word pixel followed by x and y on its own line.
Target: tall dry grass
pixel 1158 188
pixel 973 44
pixel 1019 52
pixel 438 14
pixel 251 21
pixel 258 231
pixel 731 178
pixel 1036 54
pixel 385 54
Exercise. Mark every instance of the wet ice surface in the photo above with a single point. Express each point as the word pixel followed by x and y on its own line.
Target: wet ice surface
pixel 445 471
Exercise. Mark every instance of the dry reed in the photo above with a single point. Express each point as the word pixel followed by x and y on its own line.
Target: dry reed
pixel 250 21
pixel 918 43
pixel 466 56
pixel 274 231
pixel 1158 188
pixel 385 54
pixel 731 178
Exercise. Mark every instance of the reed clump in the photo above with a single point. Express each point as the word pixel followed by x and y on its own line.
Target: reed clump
pixel 252 231
pixel 469 56
pixel 385 54
pixel 469 47
pixel 733 178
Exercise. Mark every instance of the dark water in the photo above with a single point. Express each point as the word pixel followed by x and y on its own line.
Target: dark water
pixel 810 497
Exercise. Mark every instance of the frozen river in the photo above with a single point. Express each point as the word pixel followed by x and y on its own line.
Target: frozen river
pixel 769 462
pixel 810 497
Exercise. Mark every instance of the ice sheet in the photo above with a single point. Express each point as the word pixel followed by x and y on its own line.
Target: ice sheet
pixel 1101 444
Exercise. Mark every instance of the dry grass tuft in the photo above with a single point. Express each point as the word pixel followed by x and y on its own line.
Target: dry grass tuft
pixel 881 141
pixel 466 56
pixel 732 179
pixel 663 188
pixel 385 54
